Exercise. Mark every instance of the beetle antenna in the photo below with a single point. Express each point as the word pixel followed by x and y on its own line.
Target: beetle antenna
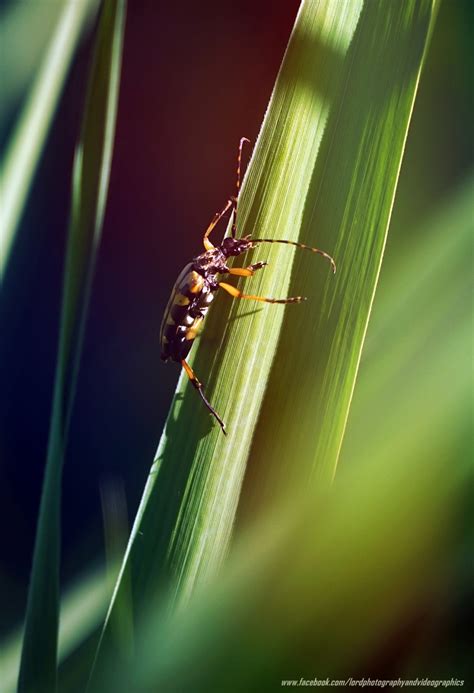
pixel 237 187
pixel 255 241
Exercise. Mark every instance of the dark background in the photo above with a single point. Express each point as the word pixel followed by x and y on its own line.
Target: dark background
pixel 195 78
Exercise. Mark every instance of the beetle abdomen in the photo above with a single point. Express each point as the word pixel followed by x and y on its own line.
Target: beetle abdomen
pixel 186 309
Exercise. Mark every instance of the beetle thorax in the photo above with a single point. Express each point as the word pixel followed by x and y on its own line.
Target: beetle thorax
pixel 210 262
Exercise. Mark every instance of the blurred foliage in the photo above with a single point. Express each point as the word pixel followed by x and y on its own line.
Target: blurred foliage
pixel 26 143
pixel 38 671
pixel 83 608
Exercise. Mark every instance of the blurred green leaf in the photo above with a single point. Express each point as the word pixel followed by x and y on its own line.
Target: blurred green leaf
pixel 28 139
pixel 90 184
pixel 116 533
pixel 83 606
pixel 324 171
pixel 317 589
pixel 418 350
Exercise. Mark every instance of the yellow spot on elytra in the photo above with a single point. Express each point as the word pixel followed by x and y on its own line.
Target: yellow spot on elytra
pixel 181 300
pixel 170 321
pixel 196 283
pixel 165 340
pixel 194 330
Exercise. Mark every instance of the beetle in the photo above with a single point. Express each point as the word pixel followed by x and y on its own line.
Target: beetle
pixel 198 282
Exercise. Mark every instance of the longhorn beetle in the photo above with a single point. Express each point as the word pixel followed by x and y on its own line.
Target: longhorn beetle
pixel 198 283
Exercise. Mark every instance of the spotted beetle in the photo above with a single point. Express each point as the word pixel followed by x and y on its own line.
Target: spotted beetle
pixel 198 283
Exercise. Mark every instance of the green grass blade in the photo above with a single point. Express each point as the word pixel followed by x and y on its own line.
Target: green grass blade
pixel 332 141
pixel 348 210
pixel 116 533
pixel 424 301
pixel 26 144
pixel 83 606
pixel 90 183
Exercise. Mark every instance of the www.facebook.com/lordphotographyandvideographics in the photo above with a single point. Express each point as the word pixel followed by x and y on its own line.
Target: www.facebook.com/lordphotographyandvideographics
pixel 374 683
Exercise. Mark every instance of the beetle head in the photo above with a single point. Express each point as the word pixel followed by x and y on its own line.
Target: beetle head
pixel 235 246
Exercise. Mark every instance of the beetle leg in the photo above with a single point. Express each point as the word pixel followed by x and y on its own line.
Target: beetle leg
pixel 215 220
pixel 195 382
pixel 233 291
pixel 246 271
